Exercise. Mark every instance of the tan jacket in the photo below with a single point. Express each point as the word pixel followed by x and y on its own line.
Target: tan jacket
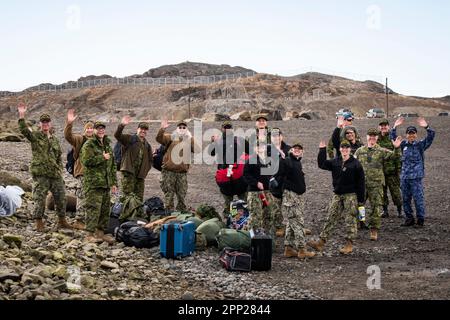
pixel 76 140
pixel 166 140
pixel 132 151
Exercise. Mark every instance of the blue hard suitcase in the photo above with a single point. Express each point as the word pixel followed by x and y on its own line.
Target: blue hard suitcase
pixel 177 239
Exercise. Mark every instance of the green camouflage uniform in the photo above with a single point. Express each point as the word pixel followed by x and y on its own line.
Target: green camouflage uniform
pixel 99 177
pixel 46 169
pixel 372 161
pixel 261 218
pixel 174 183
pixel 81 199
pixel 293 206
pixel 392 168
pixel 130 182
pixel 346 205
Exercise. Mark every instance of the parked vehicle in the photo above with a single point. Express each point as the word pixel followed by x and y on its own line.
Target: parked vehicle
pixel 407 115
pixel 342 111
pixel 376 113
pixel 443 114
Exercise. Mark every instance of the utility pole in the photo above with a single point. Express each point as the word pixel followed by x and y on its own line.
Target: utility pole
pixel 189 100
pixel 387 99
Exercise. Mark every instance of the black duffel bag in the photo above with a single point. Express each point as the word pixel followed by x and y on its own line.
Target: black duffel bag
pixel 134 235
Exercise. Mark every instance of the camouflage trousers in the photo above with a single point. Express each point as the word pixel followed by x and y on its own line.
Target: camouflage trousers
pixel 174 184
pixel 278 215
pixel 373 216
pixel 227 201
pixel 393 183
pixel 261 218
pixel 81 200
pixel 41 187
pixel 98 202
pixel 342 207
pixel 293 208
pixel 132 184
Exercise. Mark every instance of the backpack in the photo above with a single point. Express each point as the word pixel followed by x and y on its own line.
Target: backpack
pixel 120 149
pixel 158 156
pixel 233 260
pixel 134 235
pixel 154 206
pixel 72 158
pixel 231 179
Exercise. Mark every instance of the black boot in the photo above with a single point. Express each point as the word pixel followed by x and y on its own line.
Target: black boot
pixel 385 212
pixel 408 222
pixel 399 212
pixel 363 226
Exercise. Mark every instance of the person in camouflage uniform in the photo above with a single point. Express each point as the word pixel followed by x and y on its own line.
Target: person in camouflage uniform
pixel 137 158
pixel 392 170
pixel 261 218
pixel 176 163
pixel 77 141
pixel 413 170
pixel 373 159
pixel 99 180
pixel 46 169
pixel 293 203
pixel 349 192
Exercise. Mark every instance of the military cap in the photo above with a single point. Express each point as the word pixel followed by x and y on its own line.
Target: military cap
pixel 384 121
pixel 182 123
pixel 227 123
pixel 143 125
pixel 345 143
pixel 297 144
pixel 45 118
pixel 372 132
pixel 261 116
pixel 411 129
pixel 348 116
pixel 277 129
pixel 99 124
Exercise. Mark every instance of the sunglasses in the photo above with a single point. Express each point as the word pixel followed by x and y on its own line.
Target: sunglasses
pixel 182 127
pixel 227 127
pixel 349 132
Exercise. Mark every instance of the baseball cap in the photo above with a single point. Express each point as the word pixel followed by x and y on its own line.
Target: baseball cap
pixel 99 124
pixel 143 125
pixel 384 121
pixel 297 144
pixel 45 118
pixel 372 132
pixel 345 143
pixel 348 116
pixel 411 129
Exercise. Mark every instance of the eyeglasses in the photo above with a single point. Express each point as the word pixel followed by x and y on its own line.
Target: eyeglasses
pixel 182 128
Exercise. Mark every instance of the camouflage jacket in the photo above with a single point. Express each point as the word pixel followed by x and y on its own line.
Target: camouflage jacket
pixel 98 172
pixel 46 159
pixel 391 166
pixel 373 161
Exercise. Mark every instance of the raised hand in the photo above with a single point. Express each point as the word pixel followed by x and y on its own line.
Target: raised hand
pixel 22 108
pixel 106 156
pixel 126 120
pixel 397 142
pixel 322 144
pixel 164 124
pixel 399 122
pixel 340 122
pixel 71 116
pixel 114 189
pixel 422 122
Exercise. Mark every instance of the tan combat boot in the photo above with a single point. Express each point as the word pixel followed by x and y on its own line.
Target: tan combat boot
pixel 303 253
pixel 280 232
pixel 289 252
pixel 318 245
pixel 374 234
pixel 63 224
pixel 348 248
pixel 99 234
pixel 307 232
pixel 79 225
pixel 40 226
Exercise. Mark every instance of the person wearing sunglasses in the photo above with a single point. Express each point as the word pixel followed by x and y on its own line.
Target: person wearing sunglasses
pixel 179 147
pixel 373 158
pixel 344 130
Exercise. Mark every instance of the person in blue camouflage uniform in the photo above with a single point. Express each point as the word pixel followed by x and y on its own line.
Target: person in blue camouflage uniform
pixel 392 170
pixel 100 179
pixel 46 168
pixel 413 170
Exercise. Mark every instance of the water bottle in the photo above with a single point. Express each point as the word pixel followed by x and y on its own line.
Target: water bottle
pixel 361 213
pixel 230 171
pixel 263 199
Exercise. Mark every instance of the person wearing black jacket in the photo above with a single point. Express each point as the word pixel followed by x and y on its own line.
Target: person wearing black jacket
pixel 349 192
pixel 260 201
pixel 283 152
pixel 291 173
pixel 228 150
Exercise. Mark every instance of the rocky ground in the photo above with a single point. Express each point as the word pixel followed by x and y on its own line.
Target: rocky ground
pixel 414 263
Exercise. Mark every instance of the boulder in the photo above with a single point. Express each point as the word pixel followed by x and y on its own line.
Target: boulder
pixel 212 117
pixel 71 203
pixel 6 179
pixel 310 115
pixel 242 116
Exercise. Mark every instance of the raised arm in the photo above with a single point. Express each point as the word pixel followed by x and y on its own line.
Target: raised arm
pixel 322 161
pixel 426 143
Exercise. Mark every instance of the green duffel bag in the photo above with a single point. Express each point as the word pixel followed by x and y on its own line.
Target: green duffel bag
pixel 188 217
pixel 210 229
pixel 236 239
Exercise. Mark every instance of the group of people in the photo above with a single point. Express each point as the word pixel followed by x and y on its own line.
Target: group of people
pixel 361 175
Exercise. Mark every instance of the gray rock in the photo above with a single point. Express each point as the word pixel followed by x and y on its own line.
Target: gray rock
pixel 109 265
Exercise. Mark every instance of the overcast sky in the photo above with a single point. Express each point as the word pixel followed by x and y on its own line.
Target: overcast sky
pixel 56 41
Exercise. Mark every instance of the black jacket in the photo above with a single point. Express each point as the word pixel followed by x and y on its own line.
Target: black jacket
pixel 236 145
pixel 291 174
pixel 252 174
pixel 348 177
pixel 336 139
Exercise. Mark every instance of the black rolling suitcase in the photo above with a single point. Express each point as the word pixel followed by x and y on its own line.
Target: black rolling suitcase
pixel 261 249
